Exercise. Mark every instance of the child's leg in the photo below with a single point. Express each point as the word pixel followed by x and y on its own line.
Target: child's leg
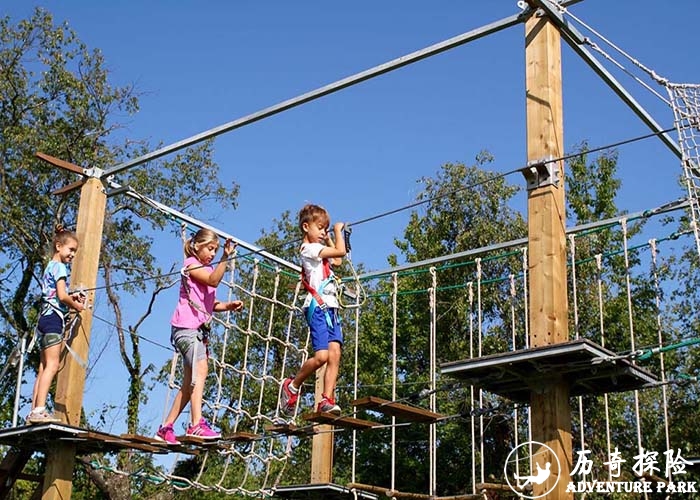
pixel 182 397
pixel 47 371
pixel 331 375
pixel 198 391
pixel 310 366
pixel 36 382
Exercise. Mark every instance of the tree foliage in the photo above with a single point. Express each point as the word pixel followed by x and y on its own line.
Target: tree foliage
pixel 55 97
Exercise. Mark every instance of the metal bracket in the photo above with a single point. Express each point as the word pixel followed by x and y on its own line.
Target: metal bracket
pixel 541 173
pixel 93 172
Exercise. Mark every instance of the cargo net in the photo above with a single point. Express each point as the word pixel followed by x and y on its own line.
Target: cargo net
pixel 685 101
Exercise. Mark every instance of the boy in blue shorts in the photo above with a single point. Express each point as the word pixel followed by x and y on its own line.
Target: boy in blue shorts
pixel 320 307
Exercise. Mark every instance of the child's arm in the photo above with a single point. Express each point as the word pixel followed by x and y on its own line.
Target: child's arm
pixel 337 250
pixel 213 278
pixel 66 299
pixel 234 305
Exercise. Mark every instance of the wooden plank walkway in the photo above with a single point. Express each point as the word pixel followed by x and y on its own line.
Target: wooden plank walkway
pixel 399 410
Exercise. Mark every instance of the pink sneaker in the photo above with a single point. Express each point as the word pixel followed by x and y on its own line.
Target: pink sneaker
pixel 166 433
pixel 202 430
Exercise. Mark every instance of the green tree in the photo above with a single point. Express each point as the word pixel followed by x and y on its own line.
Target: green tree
pixel 55 97
pixel 465 207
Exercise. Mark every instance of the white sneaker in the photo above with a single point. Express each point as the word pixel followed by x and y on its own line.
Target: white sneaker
pixel 41 417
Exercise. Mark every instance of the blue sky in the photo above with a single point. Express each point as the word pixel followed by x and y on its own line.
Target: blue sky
pixel 199 65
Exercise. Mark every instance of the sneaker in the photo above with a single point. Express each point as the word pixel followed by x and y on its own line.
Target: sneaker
pixel 288 398
pixel 327 405
pixel 202 430
pixel 166 433
pixel 41 417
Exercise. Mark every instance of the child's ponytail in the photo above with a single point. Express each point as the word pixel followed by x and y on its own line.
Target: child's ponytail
pixel 201 237
pixel 62 235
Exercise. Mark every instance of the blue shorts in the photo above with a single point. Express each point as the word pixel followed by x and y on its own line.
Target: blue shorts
pixel 189 343
pixel 321 334
pixel 50 330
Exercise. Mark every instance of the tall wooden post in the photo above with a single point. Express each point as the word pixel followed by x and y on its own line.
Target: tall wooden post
pixel 322 444
pixel 550 411
pixel 70 381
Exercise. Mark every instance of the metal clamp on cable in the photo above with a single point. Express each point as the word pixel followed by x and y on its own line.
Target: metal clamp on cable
pixel 347 231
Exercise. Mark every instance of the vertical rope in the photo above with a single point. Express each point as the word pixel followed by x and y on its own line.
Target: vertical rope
pixel 527 336
pixel 481 392
pixel 516 424
pixel 432 436
pixel 395 293
pixel 659 332
pixel 244 366
pixel 355 392
pixel 288 345
pixel 628 282
pixel 268 337
pixel 574 290
pixel 231 264
pixel 18 386
pixel 471 387
pixel 601 326
pixel 171 384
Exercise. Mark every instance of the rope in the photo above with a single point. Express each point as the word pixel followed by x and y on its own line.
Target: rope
pixel 572 265
pixel 657 303
pixel 601 315
pixel 432 436
pixel 471 387
pixel 395 293
pixel 479 323
pixel 660 80
pixel 628 285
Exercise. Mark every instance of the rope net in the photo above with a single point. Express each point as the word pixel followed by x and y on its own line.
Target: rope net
pixel 250 355
pixel 620 291
pixel 685 101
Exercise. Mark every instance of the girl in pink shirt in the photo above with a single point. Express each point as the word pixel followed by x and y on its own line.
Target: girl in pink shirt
pixel 190 326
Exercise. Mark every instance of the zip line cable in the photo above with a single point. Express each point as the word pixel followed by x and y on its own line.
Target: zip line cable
pixel 399 209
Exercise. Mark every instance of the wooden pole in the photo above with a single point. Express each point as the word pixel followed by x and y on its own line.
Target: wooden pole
pixel 70 381
pixel 550 411
pixel 322 444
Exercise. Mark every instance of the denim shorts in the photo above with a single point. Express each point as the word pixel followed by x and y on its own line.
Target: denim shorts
pixel 189 343
pixel 50 330
pixel 321 333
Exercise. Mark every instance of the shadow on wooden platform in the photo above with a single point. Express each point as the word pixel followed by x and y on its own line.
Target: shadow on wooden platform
pixel 587 367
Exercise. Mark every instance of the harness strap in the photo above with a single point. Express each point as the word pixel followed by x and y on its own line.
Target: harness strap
pixel 68 329
pixel 316 300
pixel 68 337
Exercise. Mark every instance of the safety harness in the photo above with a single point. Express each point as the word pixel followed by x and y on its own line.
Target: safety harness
pixel 316 300
pixel 69 327
pixel 204 328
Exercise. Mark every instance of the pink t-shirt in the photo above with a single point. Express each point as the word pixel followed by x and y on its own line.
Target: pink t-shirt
pixel 204 296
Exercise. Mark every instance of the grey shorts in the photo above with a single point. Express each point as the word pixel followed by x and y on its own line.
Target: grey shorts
pixel 189 343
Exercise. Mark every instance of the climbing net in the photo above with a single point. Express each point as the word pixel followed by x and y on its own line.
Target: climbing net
pixel 685 100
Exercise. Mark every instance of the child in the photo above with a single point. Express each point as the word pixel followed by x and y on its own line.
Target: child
pixel 190 325
pixel 56 302
pixel 320 307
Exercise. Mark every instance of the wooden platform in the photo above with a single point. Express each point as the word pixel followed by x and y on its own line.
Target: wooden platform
pixel 585 365
pixel 39 437
pixel 346 422
pixel 389 493
pixel 290 429
pixel 325 491
pixel 401 411
pixel 224 443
